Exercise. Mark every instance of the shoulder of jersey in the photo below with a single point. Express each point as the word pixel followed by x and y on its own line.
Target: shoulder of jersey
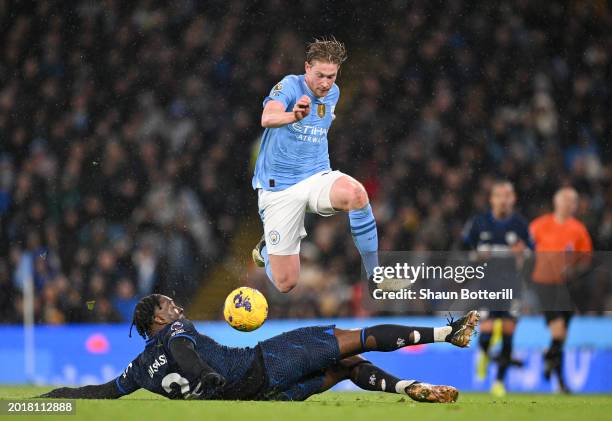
pixel 291 79
pixel 520 218
pixel 541 219
pixel 335 90
pixel 480 218
pixel 578 223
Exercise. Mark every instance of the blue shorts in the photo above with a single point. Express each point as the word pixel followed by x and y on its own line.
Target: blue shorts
pixel 295 361
pixel 300 391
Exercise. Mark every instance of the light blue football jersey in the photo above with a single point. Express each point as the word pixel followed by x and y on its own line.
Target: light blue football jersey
pixel 291 153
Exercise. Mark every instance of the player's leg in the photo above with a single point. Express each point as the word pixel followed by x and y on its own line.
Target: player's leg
pixel 369 377
pixel 366 376
pixel 553 358
pixel 484 342
pixel 282 214
pixel 298 354
pixel 387 337
pixel 349 195
pixel 302 389
pixel 284 271
pixel 505 361
pixel 319 382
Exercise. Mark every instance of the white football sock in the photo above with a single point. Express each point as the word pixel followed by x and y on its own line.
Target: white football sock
pixel 440 333
pixel 401 386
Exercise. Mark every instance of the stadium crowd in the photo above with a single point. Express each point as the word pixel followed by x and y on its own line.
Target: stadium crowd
pixel 127 129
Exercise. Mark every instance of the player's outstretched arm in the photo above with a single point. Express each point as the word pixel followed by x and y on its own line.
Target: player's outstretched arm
pixel 274 114
pixel 103 391
pixel 210 382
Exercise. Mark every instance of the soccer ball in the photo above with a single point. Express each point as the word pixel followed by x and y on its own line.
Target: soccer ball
pixel 245 309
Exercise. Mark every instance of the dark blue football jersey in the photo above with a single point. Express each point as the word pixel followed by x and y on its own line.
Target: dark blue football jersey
pixel 155 370
pixel 486 233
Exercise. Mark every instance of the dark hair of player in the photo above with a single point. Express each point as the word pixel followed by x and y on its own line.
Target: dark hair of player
pixel 144 314
pixel 326 49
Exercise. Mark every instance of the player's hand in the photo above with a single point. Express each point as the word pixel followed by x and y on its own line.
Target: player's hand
pixel 301 108
pixel 213 380
pixel 210 386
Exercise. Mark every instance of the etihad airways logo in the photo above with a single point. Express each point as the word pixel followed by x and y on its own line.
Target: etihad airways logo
pixel 305 133
pixel 309 130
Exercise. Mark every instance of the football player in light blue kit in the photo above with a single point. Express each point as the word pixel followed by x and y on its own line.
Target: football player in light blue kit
pixel 293 173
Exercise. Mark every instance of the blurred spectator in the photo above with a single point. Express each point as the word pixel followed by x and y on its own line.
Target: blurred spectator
pixel 125 299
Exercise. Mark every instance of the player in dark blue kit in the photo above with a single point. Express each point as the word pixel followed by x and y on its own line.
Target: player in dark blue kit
pixel 503 235
pixel 180 363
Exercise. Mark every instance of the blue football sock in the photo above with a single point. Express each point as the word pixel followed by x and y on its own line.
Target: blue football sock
pixel 264 254
pixel 365 236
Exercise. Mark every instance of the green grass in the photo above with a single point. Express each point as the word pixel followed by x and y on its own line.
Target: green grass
pixel 144 406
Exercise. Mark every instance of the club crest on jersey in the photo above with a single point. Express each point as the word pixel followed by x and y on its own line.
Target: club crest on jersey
pixel 321 110
pixel 511 238
pixel 485 236
pixel 274 237
pixel 278 87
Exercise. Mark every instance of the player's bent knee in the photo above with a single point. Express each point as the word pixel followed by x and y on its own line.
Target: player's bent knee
pixel 285 271
pixel 285 287
pixel 285 282
pixel 348 194
pixel 359 196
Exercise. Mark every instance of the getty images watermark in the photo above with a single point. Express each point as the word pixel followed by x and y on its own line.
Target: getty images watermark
pixel 390 279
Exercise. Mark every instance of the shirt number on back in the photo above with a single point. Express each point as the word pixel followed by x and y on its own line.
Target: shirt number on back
pixel 172 378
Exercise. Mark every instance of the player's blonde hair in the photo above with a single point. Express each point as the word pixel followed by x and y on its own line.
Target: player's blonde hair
pixel 326 49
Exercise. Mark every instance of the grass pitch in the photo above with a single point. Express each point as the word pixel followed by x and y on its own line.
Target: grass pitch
pixel 353 406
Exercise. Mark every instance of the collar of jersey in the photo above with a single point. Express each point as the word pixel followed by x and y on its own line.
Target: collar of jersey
pixel 501 221
pixel 154 337
pixel 151 340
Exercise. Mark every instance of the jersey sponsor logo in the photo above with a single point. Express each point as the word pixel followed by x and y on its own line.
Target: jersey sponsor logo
pixel 321 110
pixel 309 130
pixel 159 361
pixel 307 133
pixel 274 237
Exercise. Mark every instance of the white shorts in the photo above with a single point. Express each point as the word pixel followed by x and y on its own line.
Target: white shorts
pixel 282 212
